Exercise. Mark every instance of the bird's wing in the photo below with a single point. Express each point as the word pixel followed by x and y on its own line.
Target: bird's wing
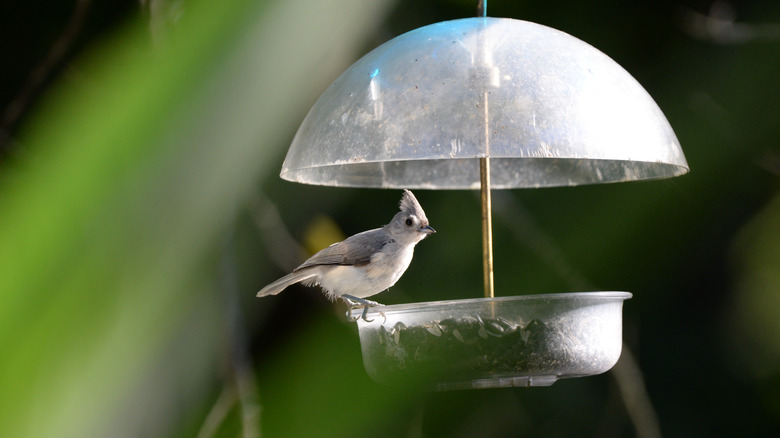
pixel 355 250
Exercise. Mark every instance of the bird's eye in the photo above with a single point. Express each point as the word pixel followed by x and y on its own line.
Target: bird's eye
pixel 409 222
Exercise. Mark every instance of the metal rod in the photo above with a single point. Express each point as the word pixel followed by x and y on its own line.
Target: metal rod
pixel 487 220
pixel 484 184
pixel 487 228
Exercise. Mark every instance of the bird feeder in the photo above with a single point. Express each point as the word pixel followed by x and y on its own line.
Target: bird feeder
pixel 487 103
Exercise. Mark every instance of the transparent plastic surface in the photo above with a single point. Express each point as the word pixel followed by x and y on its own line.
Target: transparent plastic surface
pixel 418 112
pixel 531 340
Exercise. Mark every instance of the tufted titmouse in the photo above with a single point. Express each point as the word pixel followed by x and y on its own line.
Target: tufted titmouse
pixel 366 263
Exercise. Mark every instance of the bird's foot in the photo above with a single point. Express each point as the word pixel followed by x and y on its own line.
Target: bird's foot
pixel 354 302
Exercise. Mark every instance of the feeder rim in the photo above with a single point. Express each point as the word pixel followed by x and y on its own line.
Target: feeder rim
pixel 432 305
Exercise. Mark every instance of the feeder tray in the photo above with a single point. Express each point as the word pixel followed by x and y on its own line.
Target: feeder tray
pixel 531 340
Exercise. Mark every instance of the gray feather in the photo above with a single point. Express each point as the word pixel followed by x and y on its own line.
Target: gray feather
pixel 289 279
pixel 354 251
pixel 410 206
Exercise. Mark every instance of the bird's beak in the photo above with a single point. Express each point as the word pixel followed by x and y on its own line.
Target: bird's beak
pixel 427 230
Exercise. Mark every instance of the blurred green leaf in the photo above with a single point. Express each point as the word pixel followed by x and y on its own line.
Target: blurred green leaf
pixel 130 180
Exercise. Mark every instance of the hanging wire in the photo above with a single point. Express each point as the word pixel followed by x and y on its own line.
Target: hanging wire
pixel 482 8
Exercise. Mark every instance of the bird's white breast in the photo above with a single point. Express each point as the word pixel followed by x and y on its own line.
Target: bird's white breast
pixel 382 272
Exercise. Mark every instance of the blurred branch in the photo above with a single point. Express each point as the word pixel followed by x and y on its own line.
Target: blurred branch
pixel 280 245
pixel 521 222
pixel 626 372
pixel 240 385
pixel 41 72
pixel 720 26
pixel 218 413
pixel 163 15
pixel 769 160
pixel 240 367
pixel 634 393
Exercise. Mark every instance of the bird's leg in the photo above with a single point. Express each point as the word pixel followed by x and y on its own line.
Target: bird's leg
pixel 354 302
pixel 351 299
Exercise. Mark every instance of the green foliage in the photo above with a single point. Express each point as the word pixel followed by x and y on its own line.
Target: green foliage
pixel 131 181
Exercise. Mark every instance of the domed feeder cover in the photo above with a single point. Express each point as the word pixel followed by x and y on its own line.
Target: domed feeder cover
pixel 420 110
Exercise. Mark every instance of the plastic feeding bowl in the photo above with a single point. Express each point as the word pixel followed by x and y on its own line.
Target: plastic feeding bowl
pixel 531 340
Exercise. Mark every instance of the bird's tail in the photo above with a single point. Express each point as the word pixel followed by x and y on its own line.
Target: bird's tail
pixel 280 284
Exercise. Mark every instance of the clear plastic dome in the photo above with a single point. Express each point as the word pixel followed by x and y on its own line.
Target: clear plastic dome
pixel 420 110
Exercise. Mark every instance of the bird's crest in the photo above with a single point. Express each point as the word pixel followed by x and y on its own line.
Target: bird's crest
pixel 409 205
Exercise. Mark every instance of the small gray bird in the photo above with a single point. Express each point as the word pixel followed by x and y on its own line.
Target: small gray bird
pixel 366 263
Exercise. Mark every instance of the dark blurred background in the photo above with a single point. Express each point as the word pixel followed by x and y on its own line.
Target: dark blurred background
pixel 700 253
